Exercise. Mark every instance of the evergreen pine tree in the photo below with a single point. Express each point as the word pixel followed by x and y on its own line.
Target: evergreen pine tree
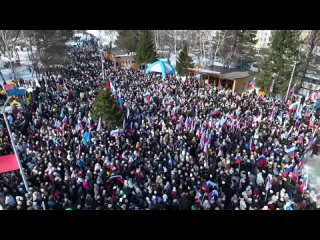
pixel 183 61
pixel 107 107
pixel 128 39
pixel 146 52
pixel 279 60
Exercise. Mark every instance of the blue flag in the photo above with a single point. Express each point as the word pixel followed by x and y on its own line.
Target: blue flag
pixel 86 137
pixel 120 102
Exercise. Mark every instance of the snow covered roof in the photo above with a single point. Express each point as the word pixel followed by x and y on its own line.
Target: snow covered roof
pixel 236 74
pixel 117 52
pixel 127 57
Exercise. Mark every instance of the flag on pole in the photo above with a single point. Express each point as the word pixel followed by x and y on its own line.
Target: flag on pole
pixel 120 101
pixel 238 159
pixel 311 141
pixel 79 126
pixel 292 151
pixel 289 132
pixel 8 163
pixel 272 86
pixel 300 138
pixel 298 113
pixel 128 112
pixel 252 83
pixel 261 160
pixel 99 127
pixel 279 117
pixel 269 184
pixel 294 106
pixel 58 144
pixel 304 184
pixel 61 113
pixel 293 89
pixel 115 133
pixel 215 112
pixel 113 89
pixel 86 137
pixel 295 174
pixel 65 121
pixel 273 112
pixel 286 171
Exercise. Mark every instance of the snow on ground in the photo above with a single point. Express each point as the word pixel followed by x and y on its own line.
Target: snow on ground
pixel 312 168
pixel 21 72
pixel 105 36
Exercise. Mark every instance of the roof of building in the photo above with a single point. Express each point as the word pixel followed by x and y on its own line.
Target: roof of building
pixel 127 58
pixel 117 51
pixel 236 74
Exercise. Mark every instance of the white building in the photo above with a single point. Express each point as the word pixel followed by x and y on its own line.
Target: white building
pixel 264 39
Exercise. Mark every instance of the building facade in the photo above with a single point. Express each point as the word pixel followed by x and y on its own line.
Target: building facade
pixel 264 39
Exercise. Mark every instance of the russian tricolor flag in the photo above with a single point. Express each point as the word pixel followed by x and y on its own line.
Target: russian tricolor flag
pixel 295 174
pixel 115 133
pixel 65 121
pixel 207 185
pixel 215 112
pixel 224 122
pixel 311 141
pixel 286 171
pixel 292 151
pixel 238 159
pixel 290 132
pixel 262 160
pixel 252 82
pixel 300 138
pixel 304 184
pixel 294 106
pixel 58 144
pixel 99 127
pixel 79 126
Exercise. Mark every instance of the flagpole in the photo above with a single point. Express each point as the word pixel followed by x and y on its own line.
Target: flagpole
pixel 294 67
pixel 266 195
pixel 13 145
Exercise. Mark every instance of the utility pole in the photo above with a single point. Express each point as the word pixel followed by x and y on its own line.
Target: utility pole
pixel 175 42
pixel 294 67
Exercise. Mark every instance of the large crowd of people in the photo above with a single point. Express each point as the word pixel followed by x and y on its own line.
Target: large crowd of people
pixel 184 146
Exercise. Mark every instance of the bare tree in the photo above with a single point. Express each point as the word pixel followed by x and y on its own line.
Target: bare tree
pixel 8 41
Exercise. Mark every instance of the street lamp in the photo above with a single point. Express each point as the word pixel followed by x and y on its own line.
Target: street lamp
pixel 13 145
pixel 292 73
